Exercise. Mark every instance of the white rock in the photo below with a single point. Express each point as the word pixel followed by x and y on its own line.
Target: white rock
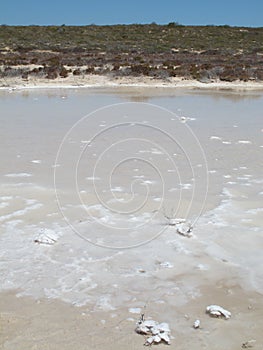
pixel 164 327
pixel 217 311
pixel 149 341
pixel 249 344
pixel 157 339
pixel 47 236
pixel 165 337
pixel 196 324
pixel 174 221
pixel 157 332
pixel 184 229
pixel 142 329
pixel 150 323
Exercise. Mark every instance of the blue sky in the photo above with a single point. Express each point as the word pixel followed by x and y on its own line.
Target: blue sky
pixel 82 12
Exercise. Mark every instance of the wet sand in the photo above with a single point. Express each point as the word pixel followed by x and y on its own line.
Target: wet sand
pixel 82 291
pixel 42 324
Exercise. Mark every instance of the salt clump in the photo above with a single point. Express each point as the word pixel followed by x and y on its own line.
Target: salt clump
pixel 155 332
pixel 218 311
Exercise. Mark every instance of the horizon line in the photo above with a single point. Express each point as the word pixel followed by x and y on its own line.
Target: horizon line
pixel 175 24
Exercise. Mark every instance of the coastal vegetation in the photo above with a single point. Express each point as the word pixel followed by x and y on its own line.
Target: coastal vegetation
pixel 204 53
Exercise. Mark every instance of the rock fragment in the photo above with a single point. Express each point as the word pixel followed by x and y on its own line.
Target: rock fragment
pixel 196 324
pixel 218 311
pixel 156 332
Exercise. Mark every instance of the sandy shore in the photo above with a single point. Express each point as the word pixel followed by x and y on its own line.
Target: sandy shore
pixel 107 81
pixel 27 324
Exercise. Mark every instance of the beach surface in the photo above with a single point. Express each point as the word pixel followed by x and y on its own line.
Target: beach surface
pixel 102 81
pixel 92 180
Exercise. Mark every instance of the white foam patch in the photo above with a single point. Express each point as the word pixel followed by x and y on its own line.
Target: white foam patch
pixel 157 199
pixel 6 198
pixel 52 214
pixel 144 151
pixel 138 176
pixel 244 142
pixel 75 271
pixel 134 219
pixel 185 119
pixel 166 264
pixel 233 242
pixel 85 141
pixel 215 138
pixel 93 178
pixel 173 189
pixel 186 186
pixel 135 310
pixel 202 267
pixel 21 212
pixel 104 304
pixel 242 178
pixel 257 181
pixel 15 175
pixel 117 189
pixel 255 211
pixel 4 205
pixel 102 215
pixel 246 220
pixel 12 224
pixel 155 151
pixel 53 271
pixel 36 161
pixel 118 200
pixel 148 182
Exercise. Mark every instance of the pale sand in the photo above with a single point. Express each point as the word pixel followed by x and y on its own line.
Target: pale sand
pixel 107 81
pixel 27 324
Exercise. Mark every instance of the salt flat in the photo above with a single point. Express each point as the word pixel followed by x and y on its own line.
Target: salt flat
pixel 91 180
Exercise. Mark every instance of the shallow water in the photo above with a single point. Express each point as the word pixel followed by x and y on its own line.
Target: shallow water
pixel 100 183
